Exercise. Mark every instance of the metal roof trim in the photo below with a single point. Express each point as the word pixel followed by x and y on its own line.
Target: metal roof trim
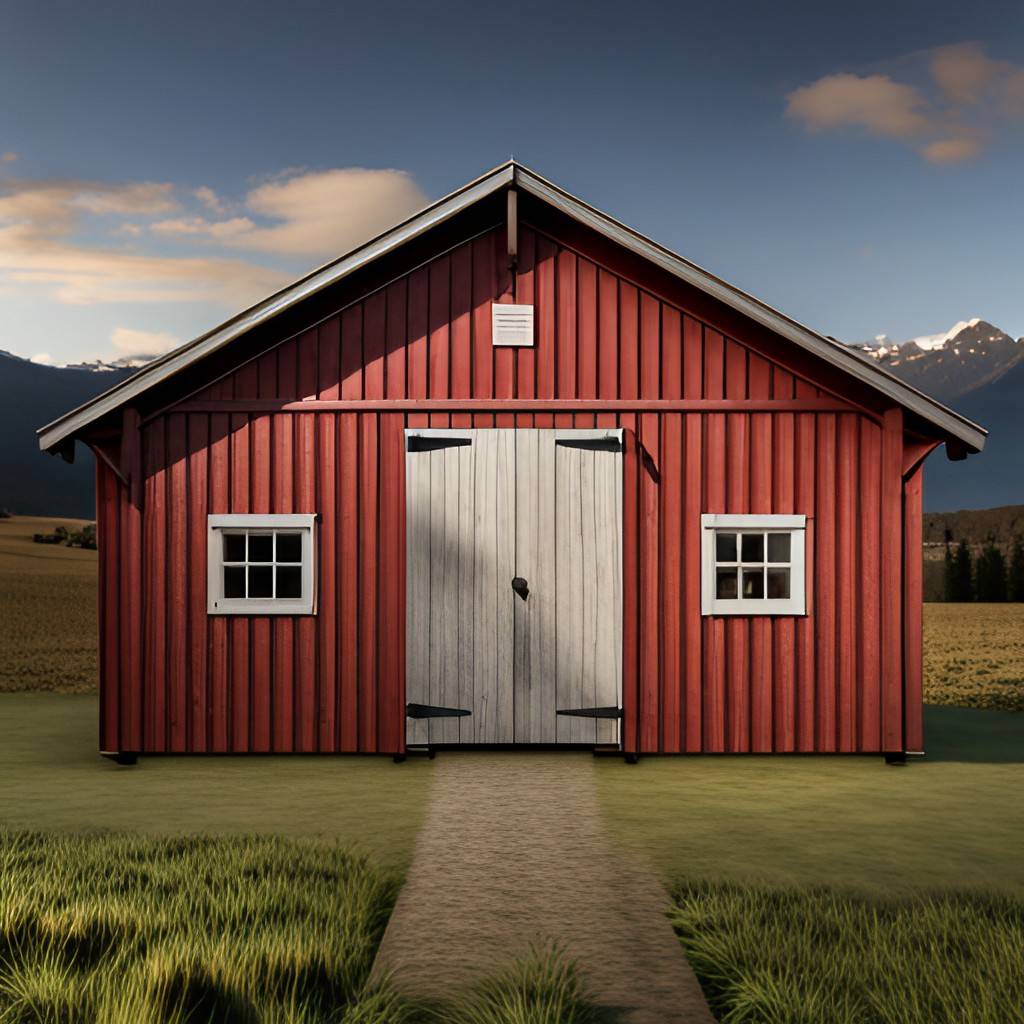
pixel 834 352
pixel 970 433
pixel 166 366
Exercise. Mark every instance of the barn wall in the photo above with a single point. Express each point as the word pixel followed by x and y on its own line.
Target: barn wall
pixel 831 681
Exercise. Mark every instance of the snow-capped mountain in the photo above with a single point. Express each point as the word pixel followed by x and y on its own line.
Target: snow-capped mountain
pixel 950 364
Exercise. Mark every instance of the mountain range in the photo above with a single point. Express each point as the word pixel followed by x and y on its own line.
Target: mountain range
pixel 974 367
pixel 978 370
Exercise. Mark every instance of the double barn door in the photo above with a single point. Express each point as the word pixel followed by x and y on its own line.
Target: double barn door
pixel 514 586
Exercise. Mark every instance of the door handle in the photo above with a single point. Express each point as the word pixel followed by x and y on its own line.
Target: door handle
pixel 520 586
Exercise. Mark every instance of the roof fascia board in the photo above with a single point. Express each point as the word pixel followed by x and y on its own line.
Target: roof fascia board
pixel 500 177
pixel 434 215
pixel 778 323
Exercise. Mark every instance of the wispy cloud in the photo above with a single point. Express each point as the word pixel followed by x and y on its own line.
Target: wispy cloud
pixel 308 213
pixel 142 345
pixel 962 101
pixel 98 244
pixel 8 157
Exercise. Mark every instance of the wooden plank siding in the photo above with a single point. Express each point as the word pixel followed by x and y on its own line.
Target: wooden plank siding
pixel 177 680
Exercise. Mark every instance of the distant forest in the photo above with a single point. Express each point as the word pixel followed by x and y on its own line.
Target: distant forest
pixel 975 555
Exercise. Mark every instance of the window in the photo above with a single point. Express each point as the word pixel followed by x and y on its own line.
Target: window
pixel 260 565
pixel 752 565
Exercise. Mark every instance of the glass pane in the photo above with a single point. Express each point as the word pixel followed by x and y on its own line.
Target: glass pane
pixel 778 547
pixel 778 583
pixel 234 581
pixel 753 547
pixel 753 583
pixel 261 547
pixel 725 585
pixel 261 581
pixel 289 581
pixel 289 548
pixel 725 547
pixel 234 547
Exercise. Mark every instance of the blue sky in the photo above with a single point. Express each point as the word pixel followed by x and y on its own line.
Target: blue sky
pixel 162 166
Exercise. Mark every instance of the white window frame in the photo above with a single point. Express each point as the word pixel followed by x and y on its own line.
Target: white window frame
pixel 795 526
pixel 218 604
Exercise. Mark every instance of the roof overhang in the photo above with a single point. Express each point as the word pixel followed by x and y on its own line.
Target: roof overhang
pixel 56 435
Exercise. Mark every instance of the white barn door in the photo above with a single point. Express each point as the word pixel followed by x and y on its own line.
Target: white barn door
pixel 514 592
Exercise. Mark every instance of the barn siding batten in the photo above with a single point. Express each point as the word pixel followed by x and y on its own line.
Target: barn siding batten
pixel 277 435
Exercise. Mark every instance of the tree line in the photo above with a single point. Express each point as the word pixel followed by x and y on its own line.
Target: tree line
pixel 990 576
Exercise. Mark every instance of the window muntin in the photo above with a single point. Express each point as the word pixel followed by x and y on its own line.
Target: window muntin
pixel 261 565
pixel 753 565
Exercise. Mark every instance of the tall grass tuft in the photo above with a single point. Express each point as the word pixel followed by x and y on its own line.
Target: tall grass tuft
pixel 135 930
pixel 544 987
pixel 786 956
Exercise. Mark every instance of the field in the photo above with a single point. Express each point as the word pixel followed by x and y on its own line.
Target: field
pixel 48 610
pixel 53 779
pixel 837 889
pixel 131 929
pixel 974 655
pixel 799 956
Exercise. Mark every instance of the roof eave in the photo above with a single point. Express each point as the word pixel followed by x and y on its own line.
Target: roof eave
pixel 948 422
pixel 52 434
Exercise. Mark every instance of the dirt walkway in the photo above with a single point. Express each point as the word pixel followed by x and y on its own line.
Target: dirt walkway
pixel 514 851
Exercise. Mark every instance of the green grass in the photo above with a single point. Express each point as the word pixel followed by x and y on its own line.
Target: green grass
pixel 147 931
pixel 542 988
pixel 951 821
pixel 53 778
pixel 771 956
pixel 231 930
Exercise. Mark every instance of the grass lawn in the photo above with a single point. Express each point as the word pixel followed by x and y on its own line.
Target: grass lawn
pixel 836 889
pixel 137 930
pixel 952 820
pixel 53 778
pixel 47 610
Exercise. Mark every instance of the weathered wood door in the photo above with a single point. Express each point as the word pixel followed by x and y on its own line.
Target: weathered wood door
pixel 514 592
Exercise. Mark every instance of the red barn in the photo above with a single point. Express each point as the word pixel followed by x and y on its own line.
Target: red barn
pixel 511 473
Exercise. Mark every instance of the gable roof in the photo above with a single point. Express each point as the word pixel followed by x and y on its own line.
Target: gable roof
pixel 504 176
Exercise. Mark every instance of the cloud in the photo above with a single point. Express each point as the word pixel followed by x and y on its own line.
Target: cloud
pixel 876 103
pixel 964 72
pixel 135 345
pixel 951 151
pixel 962 100
pixel 43 358
pixel 208 198
pixel 201 226
pixel 41 244
pixel 97 244
pixel 310 213
pixel 8 158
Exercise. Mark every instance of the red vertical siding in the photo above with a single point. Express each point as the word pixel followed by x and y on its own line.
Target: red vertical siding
pixel 832 680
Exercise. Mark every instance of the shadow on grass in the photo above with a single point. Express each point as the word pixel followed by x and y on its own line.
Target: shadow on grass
pixel 971 735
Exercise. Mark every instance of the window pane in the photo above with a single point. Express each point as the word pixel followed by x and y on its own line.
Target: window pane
pixel 753 583
pixel 234 581
pixel 753 547
pixel 778 547
pixel 725 547
pixel 778 583
pixel 725 585
pixel 261 581
pixel 234 547
pixel 261 547
pixel 289 548
pixel 289 581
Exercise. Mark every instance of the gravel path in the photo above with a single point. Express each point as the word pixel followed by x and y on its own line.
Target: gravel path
pixel 514 851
